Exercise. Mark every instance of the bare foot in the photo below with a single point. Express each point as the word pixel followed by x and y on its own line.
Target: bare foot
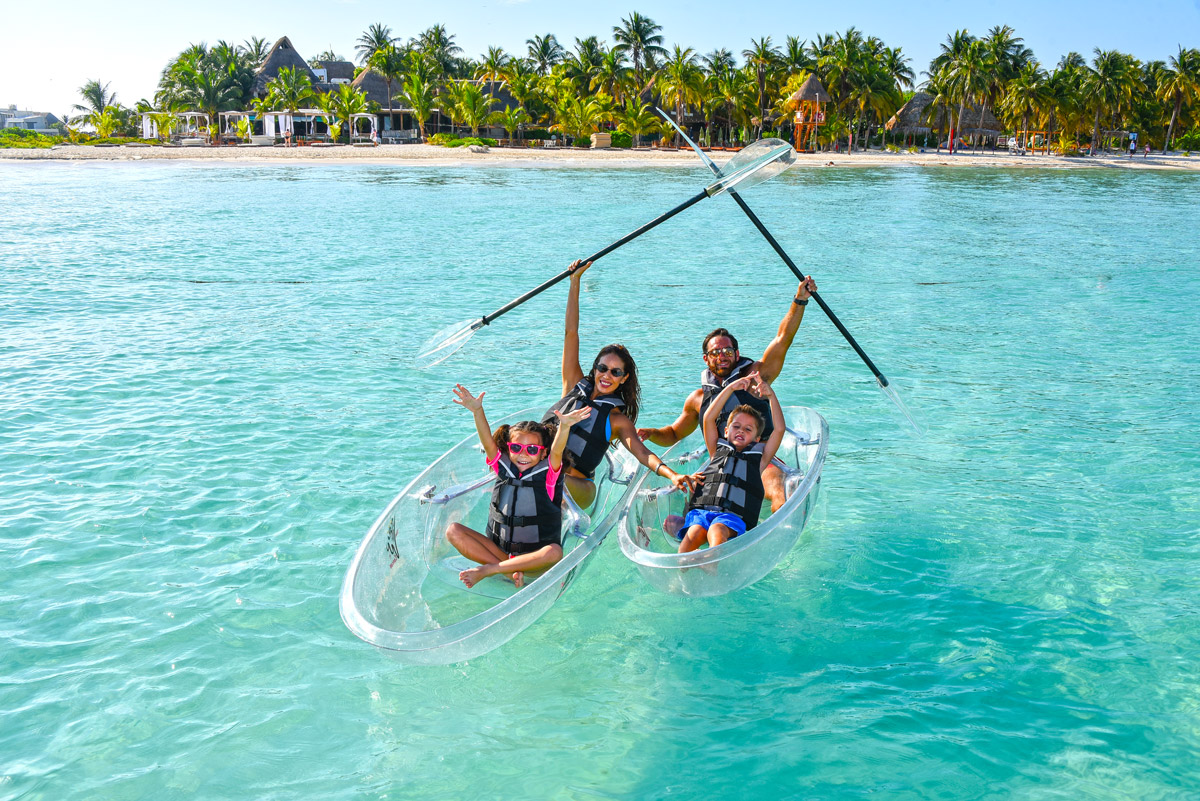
pixel 672 525
pixel 472 576
pixel 518 579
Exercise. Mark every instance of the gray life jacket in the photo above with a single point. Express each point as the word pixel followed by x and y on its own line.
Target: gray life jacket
pixel 732 483
pixel 523 517
pixel 589 439
pixel 712 386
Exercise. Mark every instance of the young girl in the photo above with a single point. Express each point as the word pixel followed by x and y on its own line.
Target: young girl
pixel 731 497
pixel 524 530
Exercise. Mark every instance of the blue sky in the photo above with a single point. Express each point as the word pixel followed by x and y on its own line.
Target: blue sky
pixel 52 49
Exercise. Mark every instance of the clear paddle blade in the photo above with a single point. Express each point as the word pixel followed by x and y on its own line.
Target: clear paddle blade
pixel 445 343
pixel 759 162
pixel 889 390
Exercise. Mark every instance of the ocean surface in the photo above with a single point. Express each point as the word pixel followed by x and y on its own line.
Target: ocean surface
pixel 207 395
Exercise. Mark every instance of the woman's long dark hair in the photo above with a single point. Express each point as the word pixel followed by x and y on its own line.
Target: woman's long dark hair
pixel 629 391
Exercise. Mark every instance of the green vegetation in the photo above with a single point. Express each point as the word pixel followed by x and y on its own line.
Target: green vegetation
pixel 594 86
pixel 21 138
pixel 450 140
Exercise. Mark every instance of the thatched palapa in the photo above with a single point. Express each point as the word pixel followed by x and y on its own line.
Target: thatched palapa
pixel 810 90
pixel 915 117
pixel 283 54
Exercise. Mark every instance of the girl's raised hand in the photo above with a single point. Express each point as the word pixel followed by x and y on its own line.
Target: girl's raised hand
pixel 465 398
pixel 578 268
pixel 762 387
pixel 571 418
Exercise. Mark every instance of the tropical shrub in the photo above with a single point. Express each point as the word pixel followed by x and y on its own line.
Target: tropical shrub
pixel 540 134
pixel 119 140
pixel 1189 141
pixel 912 149
pixel 621 139
pixel 22 138
pixel 892 148
pixel 465 141
pixel 582 141
pixel 441 138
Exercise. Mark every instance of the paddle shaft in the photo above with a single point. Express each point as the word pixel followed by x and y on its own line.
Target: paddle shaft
pixel 762 229
pixel 596 256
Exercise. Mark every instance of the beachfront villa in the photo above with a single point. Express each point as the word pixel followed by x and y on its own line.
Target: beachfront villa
pixel 39 122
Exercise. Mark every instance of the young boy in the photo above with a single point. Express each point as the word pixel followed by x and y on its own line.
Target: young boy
pixel 731 497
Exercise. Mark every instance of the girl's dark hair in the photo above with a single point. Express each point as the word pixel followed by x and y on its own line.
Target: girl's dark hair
pixel 630 391
pixel 545 431
pixel 750 410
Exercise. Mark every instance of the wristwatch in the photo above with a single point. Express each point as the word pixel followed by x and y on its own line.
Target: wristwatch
pixel 799 302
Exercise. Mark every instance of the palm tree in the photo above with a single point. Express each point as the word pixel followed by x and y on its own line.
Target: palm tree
pixel 718 61
pixel 290 89
pixel 584 63
pixel 211 93
pixel 105 121
pixel 389 62
pixel 510 119
pixel 795 58
pixel 761 56
pixel 545 52
pixel 1026 95
pixel 256 51
pixel 680 81
pixel 347 101
pixel 1179 84
pixel 493 65
pixel 418 94
pixel 639 38
pixel 580 117
pixel 96 98
pixel 374 39
pixel 637 119
pixel 439 47
pixel 1106 84
pixel 474 106
pixel 612 76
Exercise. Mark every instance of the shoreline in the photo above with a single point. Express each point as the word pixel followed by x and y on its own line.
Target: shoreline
pixel 435 156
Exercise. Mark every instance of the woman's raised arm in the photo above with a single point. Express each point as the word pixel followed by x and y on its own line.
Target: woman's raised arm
pixel 572 372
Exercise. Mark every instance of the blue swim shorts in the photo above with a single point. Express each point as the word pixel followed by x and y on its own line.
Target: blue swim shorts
pixel 706 518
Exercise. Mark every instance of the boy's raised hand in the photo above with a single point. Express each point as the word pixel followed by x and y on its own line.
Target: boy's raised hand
pixel 465 398
pixel 571 418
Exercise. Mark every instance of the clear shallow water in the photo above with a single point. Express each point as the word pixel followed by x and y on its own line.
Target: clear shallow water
pixel 206 401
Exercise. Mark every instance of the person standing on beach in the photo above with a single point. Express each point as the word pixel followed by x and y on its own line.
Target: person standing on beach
pixel 724 364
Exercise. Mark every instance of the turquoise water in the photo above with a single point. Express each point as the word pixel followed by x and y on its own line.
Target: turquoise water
pixel 207 399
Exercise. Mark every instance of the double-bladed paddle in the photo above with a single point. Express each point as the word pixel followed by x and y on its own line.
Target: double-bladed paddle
pixel 880 378
pixel 753 165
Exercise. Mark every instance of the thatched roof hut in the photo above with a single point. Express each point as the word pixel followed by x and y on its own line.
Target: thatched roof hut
pixel 283 54
pixel 811 90
pixel 338 71
pixel 371 83
pixel 915 117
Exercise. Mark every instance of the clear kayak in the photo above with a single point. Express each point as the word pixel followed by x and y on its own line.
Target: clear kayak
pixel 402 593
pixel 743 560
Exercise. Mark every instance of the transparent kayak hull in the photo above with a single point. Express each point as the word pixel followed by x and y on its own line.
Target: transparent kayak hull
pixel 745 559
pixel 402 593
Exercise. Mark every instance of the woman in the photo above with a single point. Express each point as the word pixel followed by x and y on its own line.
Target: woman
pixel 611 389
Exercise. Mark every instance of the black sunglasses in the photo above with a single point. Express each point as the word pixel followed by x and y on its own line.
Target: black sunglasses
pixel 600 367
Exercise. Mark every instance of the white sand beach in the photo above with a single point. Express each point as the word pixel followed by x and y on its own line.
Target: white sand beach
pixel 432 155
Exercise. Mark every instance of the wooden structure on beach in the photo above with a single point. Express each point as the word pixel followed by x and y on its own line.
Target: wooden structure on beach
pixel 919 116
pixel 809 100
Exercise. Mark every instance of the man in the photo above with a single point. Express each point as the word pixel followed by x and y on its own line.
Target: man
pixel 724 363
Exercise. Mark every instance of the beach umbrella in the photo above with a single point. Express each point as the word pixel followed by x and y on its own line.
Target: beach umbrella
pixel 754 164
pixel 884 385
